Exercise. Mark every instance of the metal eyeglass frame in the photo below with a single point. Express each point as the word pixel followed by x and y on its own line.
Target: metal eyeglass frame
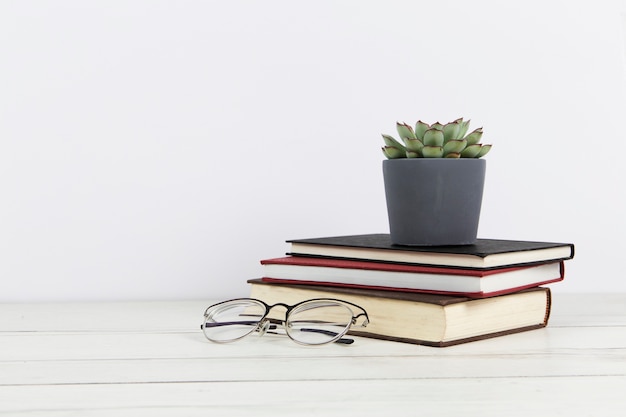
pixel 265 324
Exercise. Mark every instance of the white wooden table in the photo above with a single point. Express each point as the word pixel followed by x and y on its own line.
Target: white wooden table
pixel 151 359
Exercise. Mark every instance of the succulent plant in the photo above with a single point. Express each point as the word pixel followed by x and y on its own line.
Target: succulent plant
pixel 435 141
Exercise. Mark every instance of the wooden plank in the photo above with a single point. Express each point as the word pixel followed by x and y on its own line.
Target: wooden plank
pixel 127 345
pixel 511 397
pixel 588 363
pixel 102 316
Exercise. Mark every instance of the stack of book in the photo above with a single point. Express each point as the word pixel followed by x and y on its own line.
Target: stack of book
pixel 437 296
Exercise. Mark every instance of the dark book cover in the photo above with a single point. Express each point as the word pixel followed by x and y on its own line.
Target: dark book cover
pixel 482 247
pixel 507 250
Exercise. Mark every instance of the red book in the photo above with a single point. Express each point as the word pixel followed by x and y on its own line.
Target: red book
pixel 413 278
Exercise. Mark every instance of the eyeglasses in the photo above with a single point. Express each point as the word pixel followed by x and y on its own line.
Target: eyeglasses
pixel 312 322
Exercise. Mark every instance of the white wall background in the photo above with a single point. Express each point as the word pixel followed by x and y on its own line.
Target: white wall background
pixel 160 149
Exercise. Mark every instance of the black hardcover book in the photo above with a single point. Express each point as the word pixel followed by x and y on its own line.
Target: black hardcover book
pixel 484 254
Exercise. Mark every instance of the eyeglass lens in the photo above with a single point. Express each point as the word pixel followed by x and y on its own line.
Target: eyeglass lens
pixel 233 320
pixel 318 322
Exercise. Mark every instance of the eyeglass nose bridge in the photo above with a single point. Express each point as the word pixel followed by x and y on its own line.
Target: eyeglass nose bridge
pixel 277 317
pixel 287 308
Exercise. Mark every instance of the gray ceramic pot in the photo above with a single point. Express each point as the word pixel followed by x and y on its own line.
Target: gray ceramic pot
pixel 433 201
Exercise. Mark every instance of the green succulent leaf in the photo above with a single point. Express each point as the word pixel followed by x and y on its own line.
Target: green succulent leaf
pixel 484 149
pixel 471 151
pixel 455 155
pixel 475 136
pixel 420 128
pixel 411 154
pixel 437 126
pixel 464 128
pixel 414 145
pixel 433 137
pixel 454 146
pixel 429 151
pixel 392 152
pixel 451 131
pixel 390 141
pixel 405 131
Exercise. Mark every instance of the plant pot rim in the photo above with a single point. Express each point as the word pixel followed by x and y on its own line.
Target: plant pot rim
pixel 434 160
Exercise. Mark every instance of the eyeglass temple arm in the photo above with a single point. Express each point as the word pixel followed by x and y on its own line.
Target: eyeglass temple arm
pixel 343 340
pixel 366 319
pixel 229 323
